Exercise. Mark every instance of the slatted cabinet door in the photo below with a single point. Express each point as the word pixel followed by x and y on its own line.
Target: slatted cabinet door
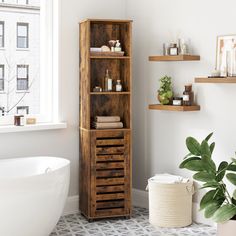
pixel 110 173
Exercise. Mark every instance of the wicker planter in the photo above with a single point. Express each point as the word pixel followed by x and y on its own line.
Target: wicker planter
pixel 227 229
pixel 170 205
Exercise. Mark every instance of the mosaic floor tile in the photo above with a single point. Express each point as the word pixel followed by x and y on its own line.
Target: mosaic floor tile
pixel 138 225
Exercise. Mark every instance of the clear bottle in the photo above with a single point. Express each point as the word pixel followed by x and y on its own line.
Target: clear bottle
pixel 107 82
pixel 118 86
pixel 118 46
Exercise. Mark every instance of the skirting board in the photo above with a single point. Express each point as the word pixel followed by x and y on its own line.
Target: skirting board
pixel 72 205
pixel 140 199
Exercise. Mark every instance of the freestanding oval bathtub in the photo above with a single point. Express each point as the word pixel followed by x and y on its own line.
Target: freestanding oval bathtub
pixel 33 192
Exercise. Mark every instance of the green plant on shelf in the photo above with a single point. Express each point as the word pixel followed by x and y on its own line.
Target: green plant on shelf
pixel 165 93
pixel 217 203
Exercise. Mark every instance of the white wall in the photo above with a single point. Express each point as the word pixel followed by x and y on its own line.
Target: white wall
pixel 64 143
pixel 159 137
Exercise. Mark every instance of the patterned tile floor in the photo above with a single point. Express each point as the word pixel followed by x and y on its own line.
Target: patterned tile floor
pixel 138 225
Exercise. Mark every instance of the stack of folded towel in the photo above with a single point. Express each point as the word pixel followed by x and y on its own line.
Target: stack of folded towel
pixel 107 122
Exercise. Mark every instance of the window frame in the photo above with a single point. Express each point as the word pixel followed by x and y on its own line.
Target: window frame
pixel 2 66
pixel 21 108
pixel 20 79
pixel 24 37
pixel 3 33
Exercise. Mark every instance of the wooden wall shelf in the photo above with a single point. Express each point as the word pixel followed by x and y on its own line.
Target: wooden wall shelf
pixel 173 108
pixel 175 58
pixel 216 80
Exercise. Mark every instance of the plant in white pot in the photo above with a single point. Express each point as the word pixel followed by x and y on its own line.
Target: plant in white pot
pixel 217 203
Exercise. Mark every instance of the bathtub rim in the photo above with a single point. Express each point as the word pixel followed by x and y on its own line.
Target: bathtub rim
pixel 66 165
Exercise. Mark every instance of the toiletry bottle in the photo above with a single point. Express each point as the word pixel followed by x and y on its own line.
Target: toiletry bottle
pixel 188 95
pixel 118 46
pixel 107 82
pixel 118 86
pixel 173 49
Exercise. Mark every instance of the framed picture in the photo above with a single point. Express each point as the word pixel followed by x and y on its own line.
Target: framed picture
pixel 226 55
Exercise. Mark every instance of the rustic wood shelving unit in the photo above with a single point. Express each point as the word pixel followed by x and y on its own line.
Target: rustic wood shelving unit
pixel 173 108
pixel 226 80
pixel 105 155
pixel 175 58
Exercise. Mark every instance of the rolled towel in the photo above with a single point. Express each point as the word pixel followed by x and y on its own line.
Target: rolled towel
pixel 106 119
pixel 109 125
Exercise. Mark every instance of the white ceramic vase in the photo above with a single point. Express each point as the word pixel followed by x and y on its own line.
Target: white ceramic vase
pixel 226 229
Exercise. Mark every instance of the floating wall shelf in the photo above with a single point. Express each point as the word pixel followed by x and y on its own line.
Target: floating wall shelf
pixel 175 58
pixel 216 80
pixel 173 108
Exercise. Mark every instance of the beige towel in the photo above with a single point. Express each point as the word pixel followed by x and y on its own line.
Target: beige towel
pixel 110 125
pixel 106 119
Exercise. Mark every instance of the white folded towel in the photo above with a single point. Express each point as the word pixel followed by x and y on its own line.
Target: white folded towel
pixel 168 179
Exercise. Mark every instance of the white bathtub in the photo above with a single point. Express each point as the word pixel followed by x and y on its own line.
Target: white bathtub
pixel 33 192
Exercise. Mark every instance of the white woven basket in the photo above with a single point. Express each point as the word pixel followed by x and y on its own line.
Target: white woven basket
pixel 170 205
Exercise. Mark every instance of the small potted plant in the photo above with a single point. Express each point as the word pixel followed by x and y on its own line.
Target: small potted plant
pixel 165 93
pixel 217 203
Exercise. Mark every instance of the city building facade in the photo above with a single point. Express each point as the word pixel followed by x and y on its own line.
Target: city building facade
pixel 19 57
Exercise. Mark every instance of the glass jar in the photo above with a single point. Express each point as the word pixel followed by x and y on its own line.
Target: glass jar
pixel 118 86
pixel 188 95
pixel 19 120
pixel 177 101
pixel 173 49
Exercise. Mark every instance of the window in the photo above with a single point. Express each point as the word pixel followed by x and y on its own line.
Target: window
pixel 31 76
pixel 22 110
pixel 2 72
pixel 22 35
pixel 1 34
pixel 22 77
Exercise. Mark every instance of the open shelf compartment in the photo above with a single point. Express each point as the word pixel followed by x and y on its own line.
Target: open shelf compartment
pixel 103 31
pixel 118 69
pixel 106 105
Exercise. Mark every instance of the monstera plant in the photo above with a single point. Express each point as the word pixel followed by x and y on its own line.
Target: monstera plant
pixel 165 94
pixel 217 203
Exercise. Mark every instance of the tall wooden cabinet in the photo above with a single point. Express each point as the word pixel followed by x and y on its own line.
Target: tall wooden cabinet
pixel 105 155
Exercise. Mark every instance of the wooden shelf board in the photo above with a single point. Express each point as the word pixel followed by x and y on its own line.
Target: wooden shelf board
pixel 123 129
pixel 173 108
pixel 215 80
pixel 104 21
pixel 109 93
pixel 93 129
pixel 175 58
pixel 110 57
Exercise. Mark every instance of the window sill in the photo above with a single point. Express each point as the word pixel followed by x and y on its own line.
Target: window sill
pixel 36 127
pixel 23 49
pixel 22 91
